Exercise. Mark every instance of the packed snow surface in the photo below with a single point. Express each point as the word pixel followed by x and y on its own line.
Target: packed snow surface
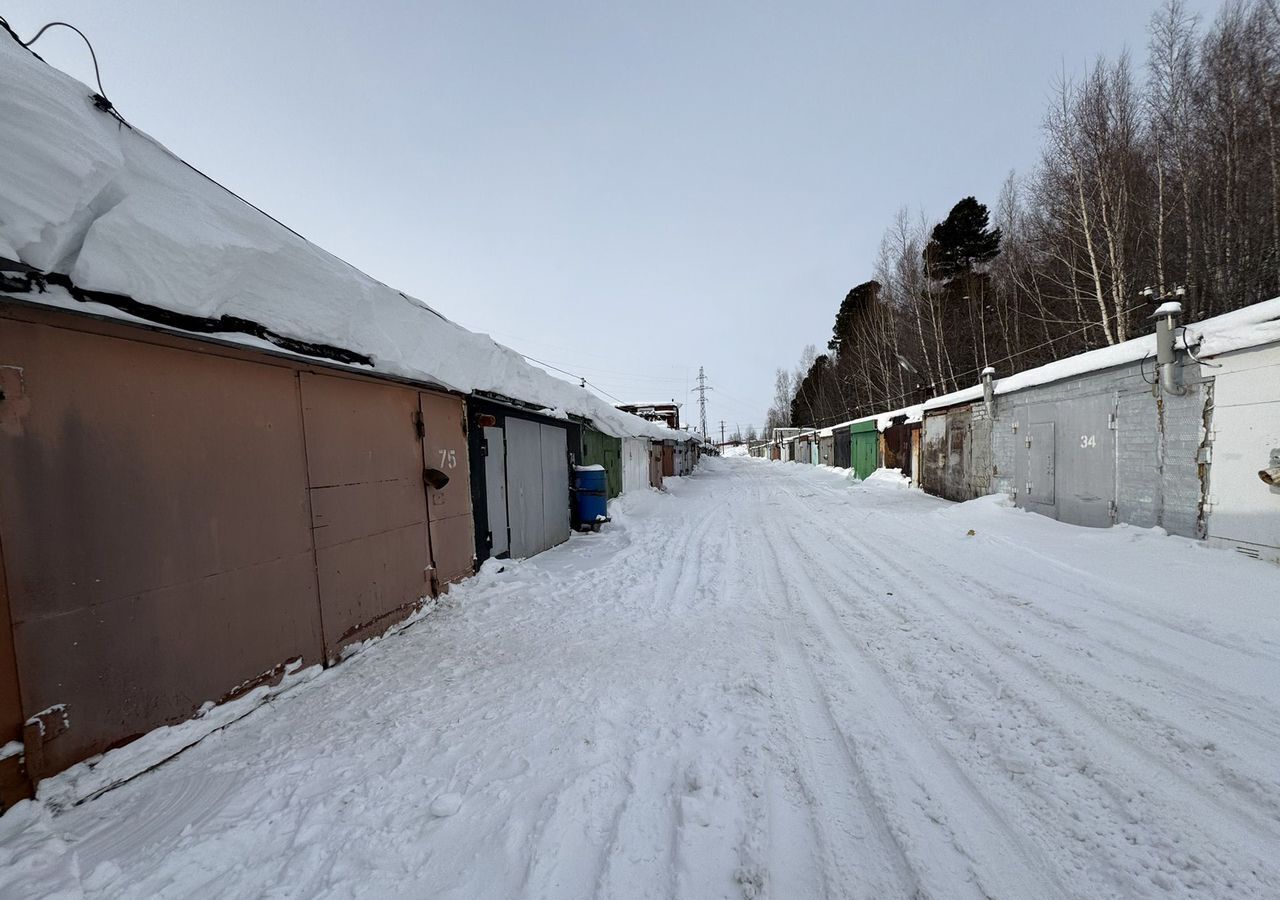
pixel 84 196
pixel 768 682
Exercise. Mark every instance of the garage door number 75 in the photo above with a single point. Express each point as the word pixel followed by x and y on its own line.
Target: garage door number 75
pixel 448 459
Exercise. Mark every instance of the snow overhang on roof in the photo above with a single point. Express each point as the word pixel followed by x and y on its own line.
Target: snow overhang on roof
pixel 129 231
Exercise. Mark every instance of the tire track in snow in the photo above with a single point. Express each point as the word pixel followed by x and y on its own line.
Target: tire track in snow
pixel 989 858
pixel 1131 759
pixel 863 857
pixel 1129 750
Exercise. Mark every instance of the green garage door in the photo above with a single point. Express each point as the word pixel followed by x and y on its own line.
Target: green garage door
pixel 601 450
pixel 864 447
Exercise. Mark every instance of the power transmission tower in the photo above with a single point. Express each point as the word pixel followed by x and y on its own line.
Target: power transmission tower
pixel 702 389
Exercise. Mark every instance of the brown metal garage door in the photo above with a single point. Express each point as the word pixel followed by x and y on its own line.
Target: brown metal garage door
pixel 444 447
pixel 368 504
pixel 157 544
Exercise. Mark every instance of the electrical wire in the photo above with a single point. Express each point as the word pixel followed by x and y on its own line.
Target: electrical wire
pixel 1010 357
pixel 583 381
pixel 99 99
pixel 1186 345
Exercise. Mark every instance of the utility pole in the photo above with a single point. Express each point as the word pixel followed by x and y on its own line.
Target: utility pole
pixel 702 389
pixel 722 432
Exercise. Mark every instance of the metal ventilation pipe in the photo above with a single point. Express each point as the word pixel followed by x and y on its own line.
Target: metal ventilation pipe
pixel 1166 316
pixel 989 390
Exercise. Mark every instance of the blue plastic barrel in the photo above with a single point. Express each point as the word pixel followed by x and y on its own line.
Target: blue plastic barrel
pixel 590 495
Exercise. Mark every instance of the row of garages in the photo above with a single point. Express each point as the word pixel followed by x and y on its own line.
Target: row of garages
pixel 1106 437
pixel 224 453
pixel 181 520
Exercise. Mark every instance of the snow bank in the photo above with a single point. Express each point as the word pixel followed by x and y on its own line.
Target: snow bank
pixel 889 478
pixel 107 206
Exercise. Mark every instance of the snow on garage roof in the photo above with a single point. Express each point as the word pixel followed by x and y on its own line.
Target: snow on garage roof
pixel 883 420
pixel 86 197
pixel 1237 330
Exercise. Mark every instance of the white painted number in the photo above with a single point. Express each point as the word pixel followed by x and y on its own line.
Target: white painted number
pixel 1088 440
pixel 448 459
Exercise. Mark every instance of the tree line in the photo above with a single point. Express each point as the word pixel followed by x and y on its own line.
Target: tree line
pixel 1149 183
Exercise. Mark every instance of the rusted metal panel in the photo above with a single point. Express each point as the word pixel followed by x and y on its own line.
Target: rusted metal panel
pixel 668 459
pixel 917 453
pixel 957 453
pixel 656 456
pixel 154 518
pixel 368 500
pixel 444 447
pixel 896 447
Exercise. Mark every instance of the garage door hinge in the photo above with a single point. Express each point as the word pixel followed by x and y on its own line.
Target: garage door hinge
pixel 419 428
pixel 484 448
pixel 1111 421
pixel 1028 442
pixel 1111 509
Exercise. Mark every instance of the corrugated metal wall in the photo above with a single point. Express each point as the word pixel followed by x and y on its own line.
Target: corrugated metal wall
pixel 179 519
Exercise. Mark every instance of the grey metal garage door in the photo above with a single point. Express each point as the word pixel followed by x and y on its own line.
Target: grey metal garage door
pixel 1065 463
pixel 537 486
pixel 555 486
pixel 495 489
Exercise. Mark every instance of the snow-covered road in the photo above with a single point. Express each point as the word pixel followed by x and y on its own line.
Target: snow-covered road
pixel 770 682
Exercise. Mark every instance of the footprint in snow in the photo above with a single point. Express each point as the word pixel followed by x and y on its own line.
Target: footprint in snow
pixel 446 805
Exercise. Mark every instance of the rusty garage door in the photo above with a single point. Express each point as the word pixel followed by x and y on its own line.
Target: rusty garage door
pixel 957 453
pixel 368 504
pixel 157 544
pixel 444 448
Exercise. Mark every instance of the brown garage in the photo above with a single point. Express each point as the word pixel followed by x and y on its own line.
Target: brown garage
pixel 179 519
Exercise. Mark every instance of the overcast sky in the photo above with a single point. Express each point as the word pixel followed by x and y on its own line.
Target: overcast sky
pixel 625 190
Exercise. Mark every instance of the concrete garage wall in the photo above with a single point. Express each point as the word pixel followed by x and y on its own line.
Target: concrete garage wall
pixel 1157 442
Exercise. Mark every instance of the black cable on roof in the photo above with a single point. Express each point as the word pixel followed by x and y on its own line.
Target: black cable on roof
pixel 99 99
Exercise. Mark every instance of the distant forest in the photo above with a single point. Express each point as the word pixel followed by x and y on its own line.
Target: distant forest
pixel 1162 178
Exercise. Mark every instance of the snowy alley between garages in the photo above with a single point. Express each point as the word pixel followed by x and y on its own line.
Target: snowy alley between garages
pixel 770 681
